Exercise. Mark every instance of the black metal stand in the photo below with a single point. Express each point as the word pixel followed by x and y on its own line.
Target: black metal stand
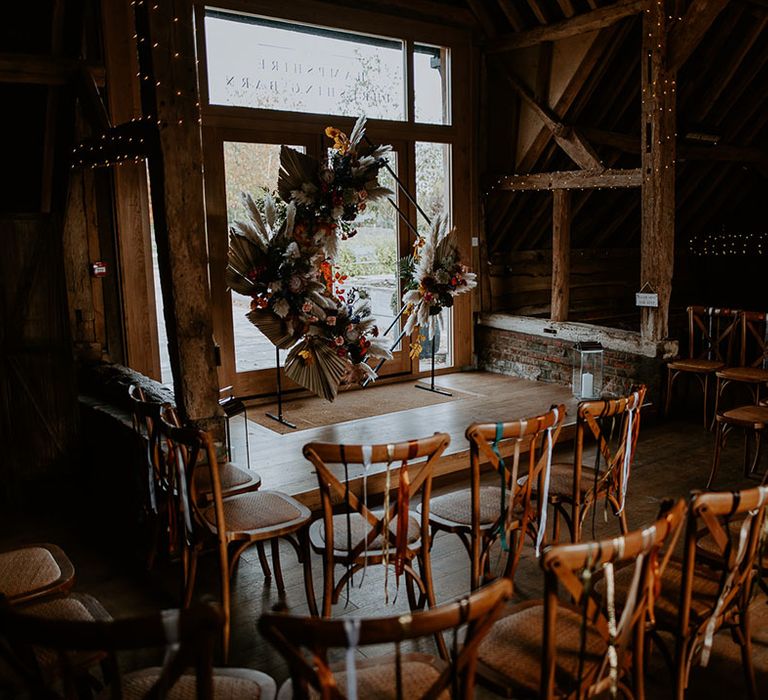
pixel 431 386
pixel 279 417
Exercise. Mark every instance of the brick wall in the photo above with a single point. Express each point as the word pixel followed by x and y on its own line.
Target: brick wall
pixel 550 359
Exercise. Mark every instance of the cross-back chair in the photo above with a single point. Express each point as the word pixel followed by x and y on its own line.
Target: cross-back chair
pixel 484 514
pixel 230 525
pixel 710 601
pixel 186 636
pixel 572 488
pixel 305 643
pixel 578 644
pixel 752 371
pixel 711 335
pixel 357 537
pixel 34 571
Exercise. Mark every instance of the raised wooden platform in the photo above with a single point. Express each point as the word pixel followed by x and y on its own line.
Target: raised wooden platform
pixel 279 460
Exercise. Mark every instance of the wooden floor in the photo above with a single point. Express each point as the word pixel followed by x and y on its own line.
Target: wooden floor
pixel 491 397
pixel 672 459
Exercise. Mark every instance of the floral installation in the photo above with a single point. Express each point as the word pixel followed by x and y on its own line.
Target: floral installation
pixel 433 276
pixel 282 257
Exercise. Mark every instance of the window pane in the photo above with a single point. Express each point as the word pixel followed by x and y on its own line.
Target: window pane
pixel 249 167
pixel 370 257
pixel 433 193
pixel 430 78
pixel 266 64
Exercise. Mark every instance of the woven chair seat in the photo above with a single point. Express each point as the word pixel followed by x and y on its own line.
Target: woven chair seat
pixel 233 479
pixel 377 679
pixel 752 375
pixel 455 508
pixel 513 647
pixel 360 528
pixel 561 480
pixel 75 607
pixel 28 570
pixel 695 365
pixel 706 586
pixel 259 512
pixel 228 684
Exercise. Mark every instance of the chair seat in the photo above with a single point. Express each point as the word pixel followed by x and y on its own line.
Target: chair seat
pixel 706 586
pixel 265 513
pixel 751 375
pixel 754 417
pixel 561 480
pixel 360 527
pixel 228 684
pixel 512 648
pixel 455 509
pixel 30 572
pixel 696 365
pixel 75 607
pixel 377 679
pixel 234 480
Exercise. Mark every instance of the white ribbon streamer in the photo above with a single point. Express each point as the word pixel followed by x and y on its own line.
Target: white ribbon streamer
pixel 545 492
pixel 627 452
pixel 352 630
pixel 183 487
pixel 367 461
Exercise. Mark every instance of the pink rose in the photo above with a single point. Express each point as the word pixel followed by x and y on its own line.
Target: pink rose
pixel 338 340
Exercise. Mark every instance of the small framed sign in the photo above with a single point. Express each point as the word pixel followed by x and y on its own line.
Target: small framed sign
pixel 647 297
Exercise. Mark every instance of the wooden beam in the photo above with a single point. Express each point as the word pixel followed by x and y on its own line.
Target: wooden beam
pixel 572 180
pixel 170 94
pixel 567 7
pixel 512 14
pixel 480 11
pixel 657 237
pixel 561 254
pixel 44 70
pixel 579 24
pixel 577 148
pixel 538 13
pixel 685 36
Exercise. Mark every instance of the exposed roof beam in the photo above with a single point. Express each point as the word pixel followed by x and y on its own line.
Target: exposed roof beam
pixel 572 180
pixel 685 36
pixel 538 13
pixel 427 9
pixel 566 137
pixel 512 14
pixel 567 7
pixel 579 24
pixel 480 11
pixel 44 70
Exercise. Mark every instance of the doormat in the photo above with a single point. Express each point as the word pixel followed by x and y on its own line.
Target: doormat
pixel 314 412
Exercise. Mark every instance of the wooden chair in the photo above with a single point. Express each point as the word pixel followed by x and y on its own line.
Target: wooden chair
pixel 574 488
pixel 231 524
pixel 480 515
pixel 187 637
pixel 752 372
pixel 584 646
pixel 34 571
pixel 358 537
pixel 753 420
pixel 710 345
pixel 304 642
pixel 711 588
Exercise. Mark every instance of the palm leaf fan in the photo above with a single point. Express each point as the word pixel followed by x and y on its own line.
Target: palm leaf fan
pixel 316 366
pixel 296 169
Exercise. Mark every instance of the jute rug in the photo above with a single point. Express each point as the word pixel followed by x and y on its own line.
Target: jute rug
pixel 350 405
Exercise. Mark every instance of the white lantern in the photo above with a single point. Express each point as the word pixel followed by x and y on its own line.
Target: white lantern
pixel 587 370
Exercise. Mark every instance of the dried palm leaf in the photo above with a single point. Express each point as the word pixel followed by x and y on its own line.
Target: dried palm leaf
pixel 317 367
pixel 296 169
pixel 277 331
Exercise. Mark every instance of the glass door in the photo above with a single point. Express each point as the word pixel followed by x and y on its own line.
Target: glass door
pixel 366 264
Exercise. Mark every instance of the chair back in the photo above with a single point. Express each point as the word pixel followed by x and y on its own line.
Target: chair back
pixel 186 636
pixel 754 339
pixel 500 445
pixel 408 480
pixel 189 449
pixel 621 632
pixel 711 333
pixel 734 553
pixel 305 642
pixel 614 425
pixel 146 423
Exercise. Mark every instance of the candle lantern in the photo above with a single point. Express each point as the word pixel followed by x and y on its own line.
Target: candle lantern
pixel 587 370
